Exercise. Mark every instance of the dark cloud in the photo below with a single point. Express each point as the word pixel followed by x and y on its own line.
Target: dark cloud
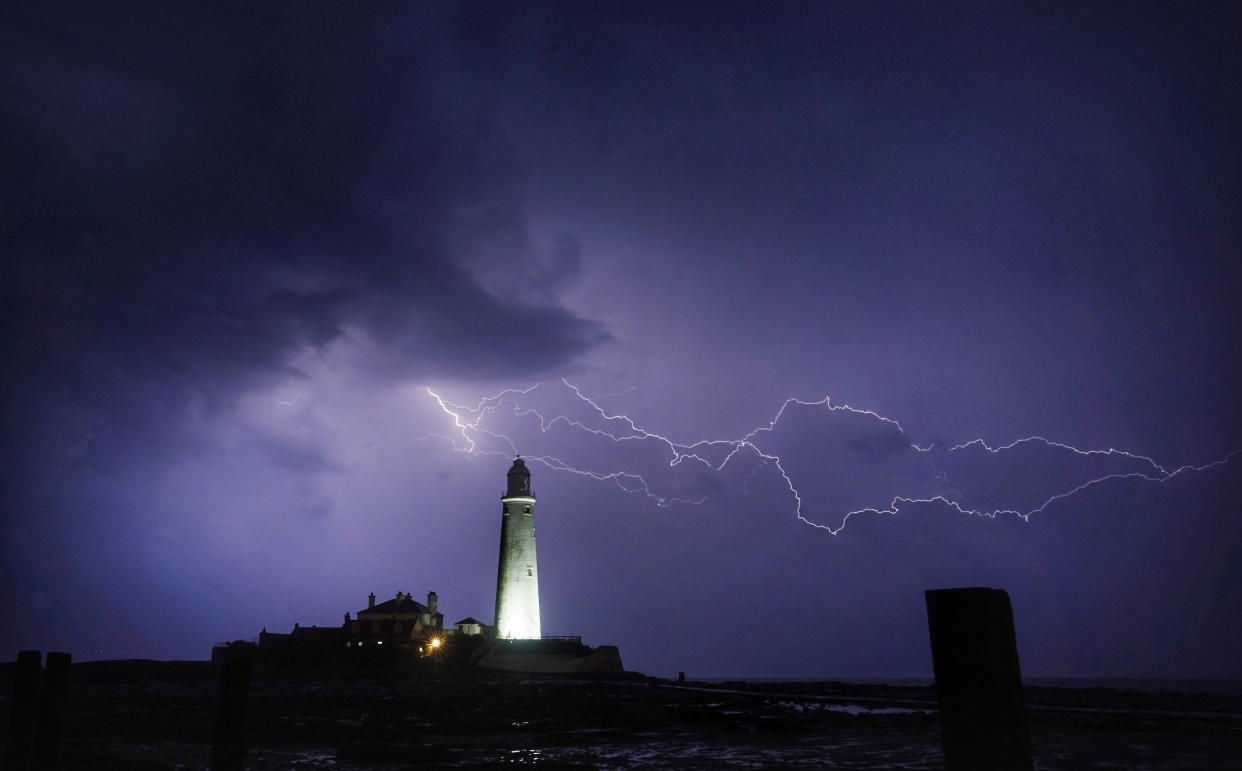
pixel 294 456
pixel 196 203
pixel 235 238
pixel 884 443
pixel 198 196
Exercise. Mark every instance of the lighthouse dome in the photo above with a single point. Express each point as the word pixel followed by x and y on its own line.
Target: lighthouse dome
pixel 519 479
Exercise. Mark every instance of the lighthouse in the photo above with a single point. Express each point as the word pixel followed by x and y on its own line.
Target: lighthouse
pixel 517 578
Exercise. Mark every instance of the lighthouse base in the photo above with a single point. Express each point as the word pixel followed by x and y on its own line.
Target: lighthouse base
pixel 548 656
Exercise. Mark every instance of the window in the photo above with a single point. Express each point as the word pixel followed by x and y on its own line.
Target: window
pixel 526 509
pixel 374 627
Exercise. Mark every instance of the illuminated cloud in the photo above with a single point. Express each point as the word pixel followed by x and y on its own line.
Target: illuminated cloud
pixel 836 461
pixel 240 243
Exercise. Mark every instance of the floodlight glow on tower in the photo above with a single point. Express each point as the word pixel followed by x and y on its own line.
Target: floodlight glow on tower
pixel 517 579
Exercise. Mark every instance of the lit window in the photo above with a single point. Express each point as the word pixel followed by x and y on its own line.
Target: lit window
pixel 379 642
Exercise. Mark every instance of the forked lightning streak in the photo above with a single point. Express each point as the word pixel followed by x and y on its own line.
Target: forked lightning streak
pixel 470 432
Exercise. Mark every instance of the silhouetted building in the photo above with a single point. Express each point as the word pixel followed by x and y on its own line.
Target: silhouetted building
pixel 471 627
pixel 399 621
pixel 305 646
pixel 402 628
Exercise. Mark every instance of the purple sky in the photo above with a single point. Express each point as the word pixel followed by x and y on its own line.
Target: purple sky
pixel 240 245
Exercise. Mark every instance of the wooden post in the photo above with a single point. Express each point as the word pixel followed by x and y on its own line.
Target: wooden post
pixel 51 712
pixel 22 712
pixel 229 747
pixel 978 680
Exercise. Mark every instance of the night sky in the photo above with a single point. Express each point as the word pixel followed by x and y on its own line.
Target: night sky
pixel 240 244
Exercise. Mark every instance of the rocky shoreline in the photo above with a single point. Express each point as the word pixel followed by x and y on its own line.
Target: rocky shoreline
pixel 159 715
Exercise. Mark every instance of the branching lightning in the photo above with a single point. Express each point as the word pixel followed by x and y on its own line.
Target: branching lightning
pixel 471 437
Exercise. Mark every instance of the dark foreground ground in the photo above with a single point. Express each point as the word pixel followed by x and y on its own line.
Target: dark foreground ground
pixel 159 715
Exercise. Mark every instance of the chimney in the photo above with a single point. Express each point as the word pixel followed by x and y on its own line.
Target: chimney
pixel 431 602
pixel 346 617
pixel 371 600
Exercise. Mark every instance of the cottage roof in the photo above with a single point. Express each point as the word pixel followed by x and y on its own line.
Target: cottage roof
pixel 315 633
pixel 389 607
pixel 469 620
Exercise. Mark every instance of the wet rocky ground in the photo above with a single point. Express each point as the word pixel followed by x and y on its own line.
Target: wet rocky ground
pixel 159 715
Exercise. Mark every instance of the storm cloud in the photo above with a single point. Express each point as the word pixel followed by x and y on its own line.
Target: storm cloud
pixel 240 244
pixel 203 193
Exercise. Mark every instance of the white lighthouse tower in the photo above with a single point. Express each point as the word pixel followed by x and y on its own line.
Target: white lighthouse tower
pixel 517 580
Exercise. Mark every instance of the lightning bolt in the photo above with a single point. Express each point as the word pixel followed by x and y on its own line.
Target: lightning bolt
pixel 628 482
pixel 471 437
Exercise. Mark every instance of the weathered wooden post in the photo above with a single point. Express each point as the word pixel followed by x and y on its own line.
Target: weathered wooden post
pixel 978 680
pixel 229 747
pixel 51 713
pixel 23 710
